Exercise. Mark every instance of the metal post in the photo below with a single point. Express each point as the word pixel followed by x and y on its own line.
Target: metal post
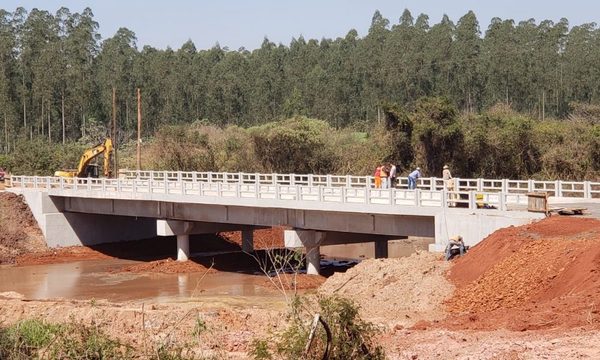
pixel 139 129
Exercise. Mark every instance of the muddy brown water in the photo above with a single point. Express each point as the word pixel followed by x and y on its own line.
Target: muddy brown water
pixel 93 279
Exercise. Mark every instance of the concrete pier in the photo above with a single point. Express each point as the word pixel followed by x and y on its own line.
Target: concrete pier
pixel 183 247
pixel 247 241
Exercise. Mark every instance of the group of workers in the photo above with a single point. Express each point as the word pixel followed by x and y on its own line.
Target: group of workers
pixel 385 177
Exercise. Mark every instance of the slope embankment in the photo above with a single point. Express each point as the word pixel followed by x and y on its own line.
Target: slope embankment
pixel 539 276
pixel 19 232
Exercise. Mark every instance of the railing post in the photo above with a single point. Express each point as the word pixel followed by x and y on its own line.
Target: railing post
pixel 472 202
pixel 587 190
pixel 456 184
pixel 328 180
pixel 444 196
pixel 292 179
pixel 558 188
pixel 238 190
pixel 502 201
pixel 432 182
pixel 504 186
pixel 166 186
pixel 277 191
pixel 209 176
pixel 417 197
pixel 479 184
pixel 219 189
pixel 530 185
pixel 344 193
pixel 367 194
pixel 320 193
pixel 311 180
pixel 348 181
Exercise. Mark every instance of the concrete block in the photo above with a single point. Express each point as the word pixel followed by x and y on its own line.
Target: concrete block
pixel 302 238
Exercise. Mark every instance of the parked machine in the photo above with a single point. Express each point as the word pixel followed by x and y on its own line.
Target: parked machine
pixel 86 168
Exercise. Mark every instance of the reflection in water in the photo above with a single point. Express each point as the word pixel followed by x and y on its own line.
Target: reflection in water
pixel 94 280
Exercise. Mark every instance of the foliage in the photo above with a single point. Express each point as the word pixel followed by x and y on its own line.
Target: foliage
pixel 297 145
pixel 38 157
pixel 352 337
pixel 35 338
pixel 437 134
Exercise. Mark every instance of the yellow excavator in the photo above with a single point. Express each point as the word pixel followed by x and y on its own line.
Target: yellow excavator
pixel 85 169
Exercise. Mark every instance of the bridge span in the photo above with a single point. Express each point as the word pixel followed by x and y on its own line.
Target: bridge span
pixel 319 209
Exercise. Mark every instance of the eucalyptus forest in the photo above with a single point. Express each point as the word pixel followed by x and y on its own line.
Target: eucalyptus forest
pixel 511 99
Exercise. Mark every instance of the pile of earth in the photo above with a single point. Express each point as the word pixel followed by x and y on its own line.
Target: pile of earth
pixel 397 292
pixel 271 238
pixel 538 276
pixel 19 232
pixel 166 266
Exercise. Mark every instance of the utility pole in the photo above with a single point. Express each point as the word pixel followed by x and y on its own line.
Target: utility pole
pixel 114 130
pixel 139 129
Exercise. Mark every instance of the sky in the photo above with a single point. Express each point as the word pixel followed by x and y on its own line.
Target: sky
pixel 245 23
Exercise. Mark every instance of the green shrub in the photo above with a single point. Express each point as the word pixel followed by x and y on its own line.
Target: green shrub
pixel 352 337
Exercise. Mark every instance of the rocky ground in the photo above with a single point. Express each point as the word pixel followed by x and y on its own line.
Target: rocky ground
pixel 529 292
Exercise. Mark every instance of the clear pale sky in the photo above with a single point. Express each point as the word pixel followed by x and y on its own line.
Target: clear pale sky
pixel 237 23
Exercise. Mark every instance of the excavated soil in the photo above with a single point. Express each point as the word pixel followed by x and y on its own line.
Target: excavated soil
pixel 540 276
pixel 395 292
pixel 263 238
pixel 166 266
pixel 19 233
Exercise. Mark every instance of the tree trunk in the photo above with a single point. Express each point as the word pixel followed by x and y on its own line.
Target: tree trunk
pixel 42 118
pixel 24 105
pixel 543 105
pixel 5 134
pixel 62 99
pixel 49 129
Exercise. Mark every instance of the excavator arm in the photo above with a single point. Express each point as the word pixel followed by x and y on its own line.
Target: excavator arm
pixel 105 149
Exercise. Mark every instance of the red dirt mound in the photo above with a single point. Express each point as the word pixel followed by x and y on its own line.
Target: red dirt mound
pixel 263 239
pixel 61 255
pixel 541 275
pixel 19 233
pixel 166 266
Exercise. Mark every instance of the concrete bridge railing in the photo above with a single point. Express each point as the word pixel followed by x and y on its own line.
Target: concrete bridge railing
pixel 273 191
pixel 557 188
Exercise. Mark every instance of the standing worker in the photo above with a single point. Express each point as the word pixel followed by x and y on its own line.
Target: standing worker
pixel 384 176
pixel 392 176
pixel 412 178
pixel 449 184
pixel 446 174
pixel 377 177
pixel 455 241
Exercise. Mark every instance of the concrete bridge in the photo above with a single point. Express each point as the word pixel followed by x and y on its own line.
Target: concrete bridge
pixel 320 209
